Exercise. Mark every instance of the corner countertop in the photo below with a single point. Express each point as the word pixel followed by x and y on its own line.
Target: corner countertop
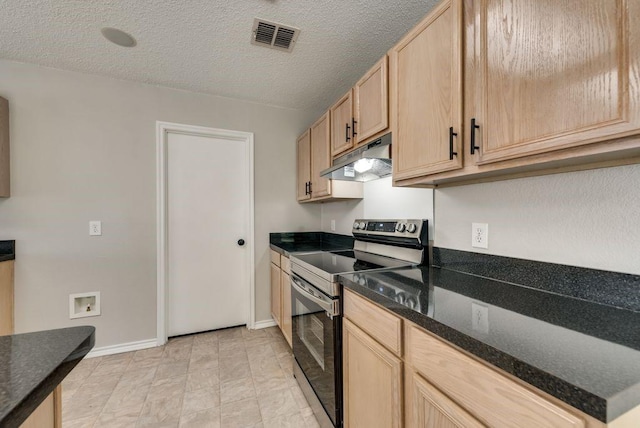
pixel 287 243
pixel 7 250
pixel 585 353
pixel 32 365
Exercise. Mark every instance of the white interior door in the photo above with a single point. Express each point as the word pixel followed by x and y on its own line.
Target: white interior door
pixel 208 209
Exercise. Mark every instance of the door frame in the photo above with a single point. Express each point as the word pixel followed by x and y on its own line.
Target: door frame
pixel 162 131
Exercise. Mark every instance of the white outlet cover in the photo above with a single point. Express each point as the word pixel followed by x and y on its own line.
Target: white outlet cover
pixel 333 225
pixel 480 235
pixel 480 318
pixel 95 228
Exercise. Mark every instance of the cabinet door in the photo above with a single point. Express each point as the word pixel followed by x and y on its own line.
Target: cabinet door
pixel 320 157
pixel 6 297
pixel 426 103
pixel 276 297
pixel 341 125
pixel 304 165
pixel 432 409
pixel 372 382
pixel 554 74
pixel 371 99
pixel 285 289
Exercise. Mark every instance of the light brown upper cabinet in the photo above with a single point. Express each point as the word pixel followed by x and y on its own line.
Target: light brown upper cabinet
pixel 426 95
pixel 320 157
pixel 4 149
pixel 314 156
pixel 304 166
pixel 342 122
pixel 552 75
pixel 361 113
pixel 371 102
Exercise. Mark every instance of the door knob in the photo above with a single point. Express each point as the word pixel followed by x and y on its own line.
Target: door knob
pixel 241 242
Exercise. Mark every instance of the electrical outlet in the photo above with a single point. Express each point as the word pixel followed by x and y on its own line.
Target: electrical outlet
pixel 480 318
pixel 95 228
pixel 333 225
pixel 480 235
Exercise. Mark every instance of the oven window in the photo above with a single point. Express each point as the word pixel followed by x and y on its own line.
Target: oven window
pixel 310 330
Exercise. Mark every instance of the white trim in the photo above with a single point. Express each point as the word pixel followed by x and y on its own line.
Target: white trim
pixel 122 347
pixel 264 324
pixel 162 129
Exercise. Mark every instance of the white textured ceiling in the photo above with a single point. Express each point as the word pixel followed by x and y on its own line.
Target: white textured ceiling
pixel 203 45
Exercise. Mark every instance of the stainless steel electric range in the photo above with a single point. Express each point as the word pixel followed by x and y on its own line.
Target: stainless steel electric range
pixel 317 306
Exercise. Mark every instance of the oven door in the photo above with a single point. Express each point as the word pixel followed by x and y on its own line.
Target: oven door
pixel 317 337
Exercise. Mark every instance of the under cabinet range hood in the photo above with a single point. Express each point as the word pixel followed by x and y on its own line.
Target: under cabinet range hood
pixel 366 163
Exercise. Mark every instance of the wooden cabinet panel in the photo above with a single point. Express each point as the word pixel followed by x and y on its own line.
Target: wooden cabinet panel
pixel 371 102
pixel 4 149
pixel 320 157
pixel 426 102
pixel 487 394
pixel 432 409
pixel 6 297
pixel 276 296
pixel 341 124
pixel 285 289
pixel 383 326
pixel 285 264
pixel 552 75
pixel 48 414
pixel 304 166
pixel 275 257
pixel 372 382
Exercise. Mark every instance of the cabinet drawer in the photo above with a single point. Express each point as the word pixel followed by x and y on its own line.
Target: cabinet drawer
pixel 275 258
pixel 380 324
pixel 490 396
pixel 285 264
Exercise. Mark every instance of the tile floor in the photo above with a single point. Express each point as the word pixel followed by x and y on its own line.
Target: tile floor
pixel 227 378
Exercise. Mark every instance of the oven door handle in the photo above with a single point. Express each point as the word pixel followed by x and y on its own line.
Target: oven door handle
pixel 331 307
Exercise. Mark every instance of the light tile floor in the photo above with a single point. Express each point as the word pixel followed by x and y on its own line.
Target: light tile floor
pixel 227 378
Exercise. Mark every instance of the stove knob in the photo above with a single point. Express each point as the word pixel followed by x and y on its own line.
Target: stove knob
pixel 362 225
pixel 412 228
pixel 400 227
pixel 356 225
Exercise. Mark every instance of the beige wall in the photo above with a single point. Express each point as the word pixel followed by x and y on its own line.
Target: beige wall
pixel 588 218
pixel 83 148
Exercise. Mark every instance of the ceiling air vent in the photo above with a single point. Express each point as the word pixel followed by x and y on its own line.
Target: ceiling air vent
pixel 273 35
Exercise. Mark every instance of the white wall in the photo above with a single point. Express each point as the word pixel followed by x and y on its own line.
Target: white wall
pixel 588 218
pixel 381 201
pixel 83 148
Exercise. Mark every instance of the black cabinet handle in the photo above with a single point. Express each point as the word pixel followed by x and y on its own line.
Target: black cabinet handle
pixel 241 242
pixel 354 122
pixel 473 136
pixel 347 138
pixel 451 135
pixel 310 188
pixel 306 188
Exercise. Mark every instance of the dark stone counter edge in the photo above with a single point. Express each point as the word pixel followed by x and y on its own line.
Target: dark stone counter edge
pixel 30 403
pixel 572 395
pixel 7 250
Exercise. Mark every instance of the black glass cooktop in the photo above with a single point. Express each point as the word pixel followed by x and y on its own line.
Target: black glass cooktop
pixel 349 261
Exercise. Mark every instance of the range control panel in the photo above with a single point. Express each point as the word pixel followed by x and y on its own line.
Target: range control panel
pixel 404 229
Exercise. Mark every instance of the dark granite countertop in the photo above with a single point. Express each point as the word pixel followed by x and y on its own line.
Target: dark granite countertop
pixel 33 364
pixel 7 250
pixel 585 353
pixel 299 242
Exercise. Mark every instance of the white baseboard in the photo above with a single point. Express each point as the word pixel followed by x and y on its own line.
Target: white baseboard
pixel 264 324
pixel 122 347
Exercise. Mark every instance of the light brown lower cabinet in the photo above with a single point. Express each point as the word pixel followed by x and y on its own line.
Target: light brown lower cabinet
pixel 372 382
pixel 433 384
pixel 6 297
pixel 281 293
pixel 48 414
pixel 276 295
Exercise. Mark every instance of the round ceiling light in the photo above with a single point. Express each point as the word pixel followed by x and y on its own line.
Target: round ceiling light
pixel 118 37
